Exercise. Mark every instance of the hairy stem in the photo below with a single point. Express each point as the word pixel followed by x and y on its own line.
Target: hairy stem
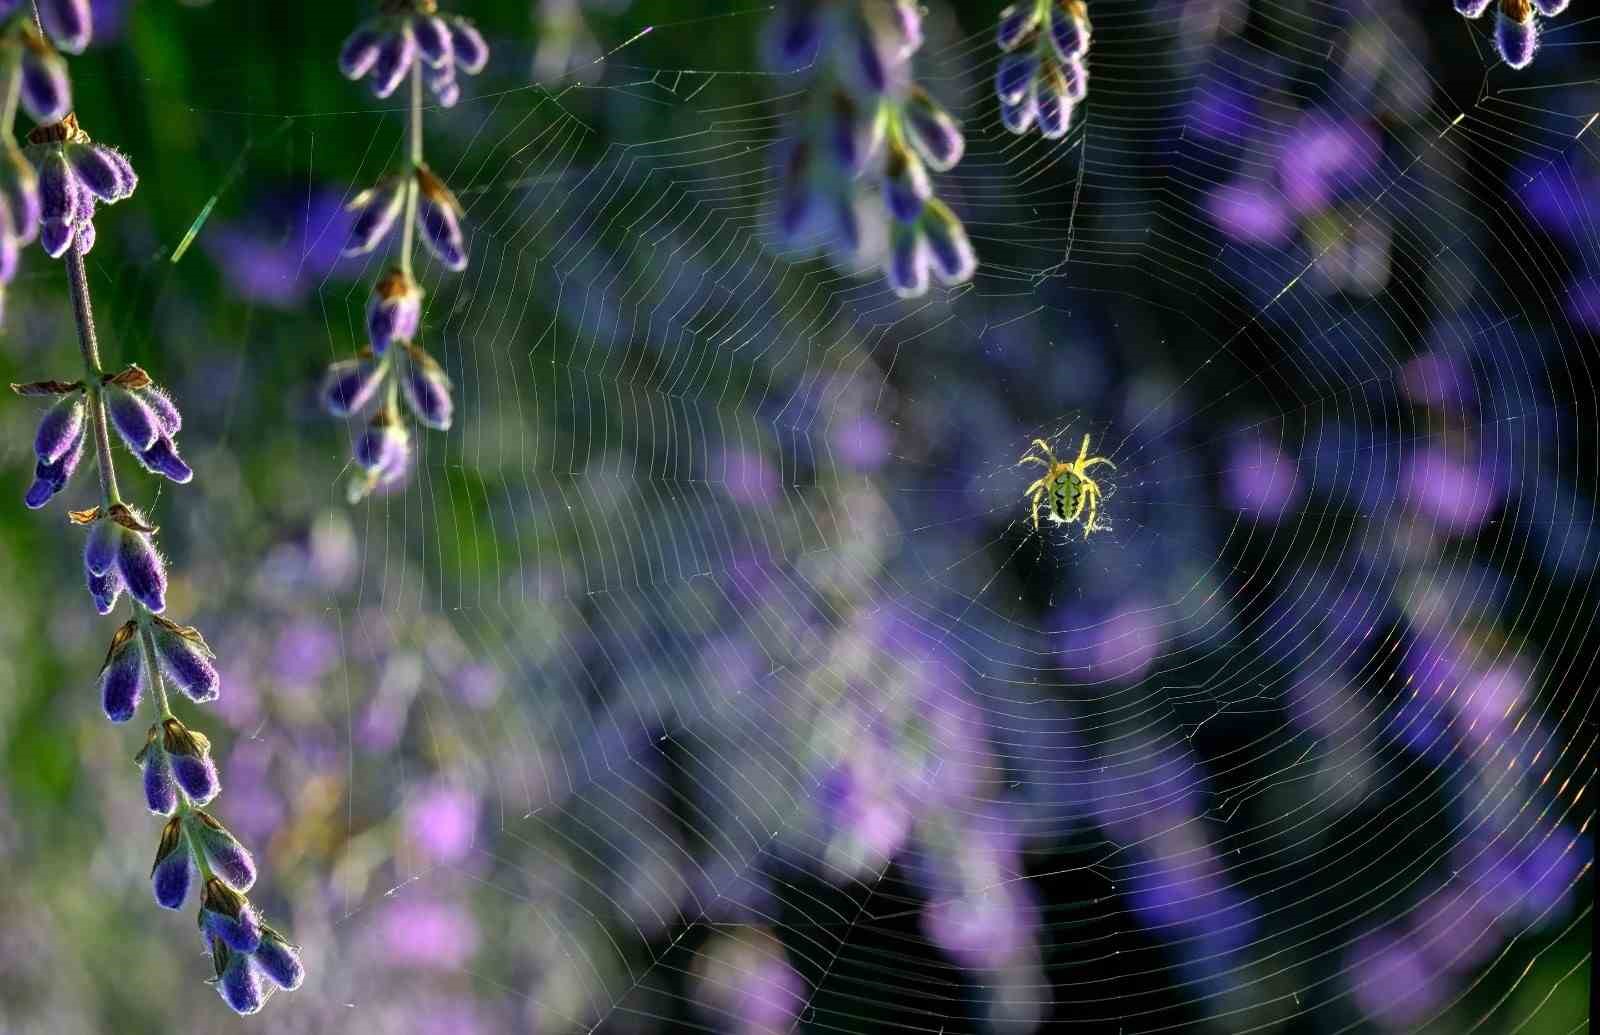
pixel 89 347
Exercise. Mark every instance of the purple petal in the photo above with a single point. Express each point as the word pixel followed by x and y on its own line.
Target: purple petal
pixel 359 52
pixel 68 22
pixel 466 42
pixel 280 962
pixel 142 571
pixel 58 428
pixel 46 92
pixel 133 419
pixel 433 38
pixel 396 52
pixel 441 231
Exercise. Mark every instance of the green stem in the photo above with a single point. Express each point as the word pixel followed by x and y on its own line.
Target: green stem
pixel 89 348
pixel 414 150
pixel 11 69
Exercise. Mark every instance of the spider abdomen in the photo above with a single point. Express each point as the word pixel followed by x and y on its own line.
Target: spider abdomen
pixel 1065 489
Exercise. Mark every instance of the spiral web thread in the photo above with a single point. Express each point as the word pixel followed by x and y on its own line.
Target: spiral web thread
pixel 1176 750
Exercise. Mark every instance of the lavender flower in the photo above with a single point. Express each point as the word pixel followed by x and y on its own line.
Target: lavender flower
pixel 69 23
pixel 223 853
pixel 1042 77
pixel 384 452
pixel 867 122
pixel 350 384
pixel 173 870
pixel 438 217
pixel 74 175
pixel 186 660
pixel 147 651
pixel 407 33
pixel 1516 25
pixel 394 310
pixel 19 190
pixel 279 960
pixel 123 675
pixel 229 916
pixel 240 972
pixel 1516 33
pixel 426 388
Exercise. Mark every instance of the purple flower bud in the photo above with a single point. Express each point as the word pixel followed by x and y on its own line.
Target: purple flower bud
pixel 905 183
pixel 9 254
pixel 1551 8
pixel 1016 22
pixel 439 220
pixel 375 209
pixel 1011 79
pixel 104 590
pixel 951 253
pixel 173 871
pixel 427 390
pixel 396 51
pixel 349 385
pixel 1516 41
pixel 46 93
pixel 1051 103
pixel 123 675
pixel 56 237
pixel 394 310
pixel 188 753
pixel 132 417
pixel 933 132
pixel 186 659
pixel 68 22
pixel 444 86
pixel 19 187
pixel 466 43
pixel 229 916
pixel 51 478
pixel 1069 34
pixel 794 35
pixel 83 234
pixel 166 411
pixel 60 425
pixel 238 981
pixel 60 196
pixel 162 458
pixel 100 550
pixel 104 172
pixel 384 446
pixel 908 261
pixel 279 961
pixel 142 570
pixel 1472 8
pixel 224 854
pixel 433 38
pixel 1075 77
pixel 160 793
pixel 359 52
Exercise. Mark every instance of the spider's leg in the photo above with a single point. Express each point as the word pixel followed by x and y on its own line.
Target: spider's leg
pixel 1033 489
pixel 1036 498
pixel 1082 452
pixel 1050 454
pixel 1096 460
pixel 1031 459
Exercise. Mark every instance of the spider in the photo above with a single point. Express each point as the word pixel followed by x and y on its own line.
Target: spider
pixel 1068 487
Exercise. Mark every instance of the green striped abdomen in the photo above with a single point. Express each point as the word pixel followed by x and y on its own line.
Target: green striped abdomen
pixel 1064 493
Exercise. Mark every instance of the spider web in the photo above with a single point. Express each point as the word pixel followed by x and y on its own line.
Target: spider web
pixel 723 594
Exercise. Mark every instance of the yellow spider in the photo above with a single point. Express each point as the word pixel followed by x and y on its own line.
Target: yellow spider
pixel 1070 490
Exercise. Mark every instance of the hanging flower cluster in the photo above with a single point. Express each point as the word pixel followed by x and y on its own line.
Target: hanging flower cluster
pixel 406 38
pixel 1516 25
pixel 34 76
pixel 866 124
pixel 50 191
pixel 1043 75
